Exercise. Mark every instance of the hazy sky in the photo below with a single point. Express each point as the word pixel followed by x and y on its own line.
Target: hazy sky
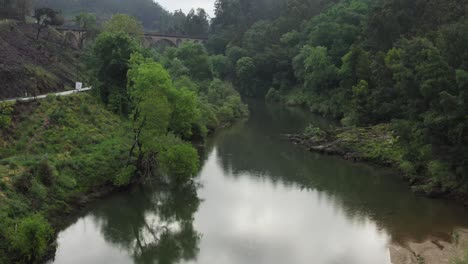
pixel 186 5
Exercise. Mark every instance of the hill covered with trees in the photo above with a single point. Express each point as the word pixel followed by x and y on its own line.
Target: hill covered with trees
pixel 402 63
pixel 148 12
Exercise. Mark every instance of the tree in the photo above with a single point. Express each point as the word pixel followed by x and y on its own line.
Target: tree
pixel 361 111
pixel 245 71
pixel 47 17
pixel 197 24
pixel 186 112
pixel 159 108
pixel 221 66
pixel 124 23
pixel 179 162
pixel 88 24
pixel 420 73
pixel 195 58
pixel 315 68
pixel 109 63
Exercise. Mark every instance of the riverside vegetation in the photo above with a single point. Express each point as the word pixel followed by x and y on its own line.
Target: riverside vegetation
pixel 393 67
pixel 62 151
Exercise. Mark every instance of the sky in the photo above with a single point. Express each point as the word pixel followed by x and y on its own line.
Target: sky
pixel 186 5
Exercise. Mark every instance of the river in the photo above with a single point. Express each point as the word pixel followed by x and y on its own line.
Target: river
pixel 259 199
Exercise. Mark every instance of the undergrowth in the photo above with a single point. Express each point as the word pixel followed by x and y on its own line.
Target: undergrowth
pixel 65 148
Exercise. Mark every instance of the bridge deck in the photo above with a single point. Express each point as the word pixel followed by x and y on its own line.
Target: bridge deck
pixel 146 33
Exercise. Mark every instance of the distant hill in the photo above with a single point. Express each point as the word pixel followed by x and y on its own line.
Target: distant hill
pixel 151 14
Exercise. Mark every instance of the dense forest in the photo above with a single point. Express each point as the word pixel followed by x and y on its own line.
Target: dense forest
pixel 147 108
pixel 402 63
pixel 396 67
pixel 149 13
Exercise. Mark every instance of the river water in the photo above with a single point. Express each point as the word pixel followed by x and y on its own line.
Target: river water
pixel 261 200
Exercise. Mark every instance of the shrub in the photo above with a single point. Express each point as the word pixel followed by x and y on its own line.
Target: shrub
pixel 56 116
pixel 180 162
pixel 6 109
pixel 312 131
pixel 45 173
pixel 125 176
pixel 38 193
pixel 23 182
pixel 273 95
pixel 225 114
pixel 32 237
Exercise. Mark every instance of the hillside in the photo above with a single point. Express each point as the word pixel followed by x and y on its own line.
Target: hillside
pixel 53 154
pixel 34 66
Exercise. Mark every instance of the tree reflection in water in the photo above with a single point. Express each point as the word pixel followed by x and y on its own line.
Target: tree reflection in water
pixel 153 226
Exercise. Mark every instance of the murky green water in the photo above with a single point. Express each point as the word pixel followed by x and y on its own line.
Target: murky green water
pixel 261 200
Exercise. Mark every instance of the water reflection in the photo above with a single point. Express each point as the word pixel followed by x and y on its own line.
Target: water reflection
pixel 150 225
pixel 257 148
pixel 250 218
pixel 265 201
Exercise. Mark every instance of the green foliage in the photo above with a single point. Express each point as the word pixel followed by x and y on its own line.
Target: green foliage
pixel 221 66
pixel 126 24
pixel 108 64
pixel 125 176
pixel 234 53
pixel 185 114
pixel 312 131
pixel 88 23
pixel 179 162
pixel 314 67
pixel 32 237
pixel 245 72
pixel 273 95
pixel 367 63
pixel 194 57
pixel 6 110
pixel 463 260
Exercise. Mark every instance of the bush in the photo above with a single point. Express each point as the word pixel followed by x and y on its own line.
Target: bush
pixel 57 116
pixel 180 162
pixel 225 114
pixel 125 176
pixel 6 109
pixel 312 131
pixel 23 182
pixel 32 237
pixel 273 95
pixel 45 173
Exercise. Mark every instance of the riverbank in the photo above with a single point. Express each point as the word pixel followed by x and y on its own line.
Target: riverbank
pixel 55 154
pixel 379 145
pixel 432 251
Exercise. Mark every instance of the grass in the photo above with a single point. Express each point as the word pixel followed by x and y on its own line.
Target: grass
pixel 62 148
pixel 377 143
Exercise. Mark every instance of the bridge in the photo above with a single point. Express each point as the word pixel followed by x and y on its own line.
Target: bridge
pixel 75 38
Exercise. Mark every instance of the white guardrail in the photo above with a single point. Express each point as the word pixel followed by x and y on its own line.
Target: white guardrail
pixel 42 96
